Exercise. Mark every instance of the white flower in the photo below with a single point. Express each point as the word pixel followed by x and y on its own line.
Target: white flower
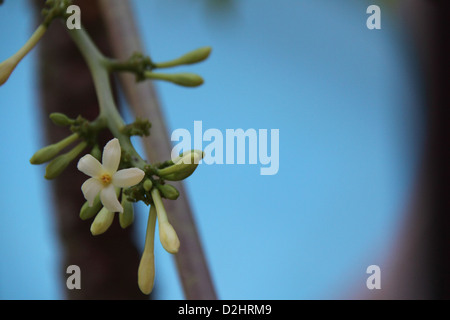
pixel 105 177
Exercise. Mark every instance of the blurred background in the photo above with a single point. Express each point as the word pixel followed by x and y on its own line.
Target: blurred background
pixel 350 105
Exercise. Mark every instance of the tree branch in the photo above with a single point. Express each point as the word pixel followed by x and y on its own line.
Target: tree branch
pixel 124 40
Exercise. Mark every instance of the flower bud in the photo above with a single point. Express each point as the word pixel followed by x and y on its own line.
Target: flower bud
pixel 183 166
pixel 168 191
pixel 185 79
pixel 48 153
pixel 45 154
pixel 59 164
pixel 194 56
pixel 61 119
pixel 167 234
pixel 146 272
pixel 7 67
pixel 96 153
pixel 87 212
pixel 148 184
pixel 102 222
pixel 126 217
pixel 168 237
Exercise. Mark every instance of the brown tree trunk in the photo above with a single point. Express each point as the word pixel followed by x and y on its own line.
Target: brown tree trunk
pixel 419 266
pixel 108 262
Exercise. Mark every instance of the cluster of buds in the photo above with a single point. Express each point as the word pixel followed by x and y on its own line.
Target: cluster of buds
pixel 107 184
pixel 143 67
pixel 118 176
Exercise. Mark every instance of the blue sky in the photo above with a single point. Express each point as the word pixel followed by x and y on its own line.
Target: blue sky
pixel 347 108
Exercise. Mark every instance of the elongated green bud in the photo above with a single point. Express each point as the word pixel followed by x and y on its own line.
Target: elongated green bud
pixel 167 234
pixel 60 163
pixel 7 67
pixel 146 270
pixel 185 79
pixel 102 222
pixel 48 153
pixel 45 154
pixel 183 166
pixel 168 191
pixel 126 217
pixel 194 56
pixel 61 119
pixel 148 184
pixel 96 152
pixel 87 212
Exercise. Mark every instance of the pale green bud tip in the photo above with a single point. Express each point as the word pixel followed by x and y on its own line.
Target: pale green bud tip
pixel 88 212
pixel 60 119
pixel 102 222
pixel 168 191
pixel 56 167
pixel 191 57
pixel 146 273
pixel 148 185
pixel 126 217
pixel 59 164
pixel 96 152
pixel 184 165
pixel 48 153
pixel 189 157
pixel 168 237
pixel 6 69
pixel 183 79
pixel 196 55
pixel 187 79
pixel 45 154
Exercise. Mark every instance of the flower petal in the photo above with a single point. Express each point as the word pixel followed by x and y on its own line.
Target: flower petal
pixel 91 187
pixel 109 199
pixel 127 177
pixel 90 166
pixel 111 156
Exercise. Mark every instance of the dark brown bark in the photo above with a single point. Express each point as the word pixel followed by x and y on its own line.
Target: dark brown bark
pixel 108 262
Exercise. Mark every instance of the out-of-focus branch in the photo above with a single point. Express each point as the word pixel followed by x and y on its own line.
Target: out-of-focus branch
pixel 419 266
pixel 124 39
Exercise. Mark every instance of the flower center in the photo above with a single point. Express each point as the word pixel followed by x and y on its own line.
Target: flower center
pixel 105 179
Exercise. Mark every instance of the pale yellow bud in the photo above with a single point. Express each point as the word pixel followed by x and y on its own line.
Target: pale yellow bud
pixel 146 273
pixel 167 234
pixel 168 237
pixel 102 222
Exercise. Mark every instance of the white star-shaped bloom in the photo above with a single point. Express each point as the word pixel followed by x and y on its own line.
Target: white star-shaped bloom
pixel 105 177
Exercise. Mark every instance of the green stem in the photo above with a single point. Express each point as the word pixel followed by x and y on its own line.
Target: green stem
pixel 98 65
pixel 160 210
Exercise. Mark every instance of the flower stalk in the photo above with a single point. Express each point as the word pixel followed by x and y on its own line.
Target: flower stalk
pixel 7 67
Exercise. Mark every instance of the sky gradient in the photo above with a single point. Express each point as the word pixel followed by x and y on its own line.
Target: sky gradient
pixel 347 108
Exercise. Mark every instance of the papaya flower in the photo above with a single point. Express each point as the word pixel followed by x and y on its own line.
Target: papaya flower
pixel 104 177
